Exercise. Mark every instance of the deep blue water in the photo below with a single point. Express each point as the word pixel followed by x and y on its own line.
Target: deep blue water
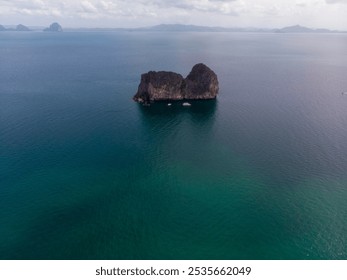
pixel 86 173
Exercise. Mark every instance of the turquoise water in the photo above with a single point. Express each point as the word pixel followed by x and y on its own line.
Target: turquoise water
pixel 86 173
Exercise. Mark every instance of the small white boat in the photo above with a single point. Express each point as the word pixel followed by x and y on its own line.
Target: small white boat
pixel 186 104
pixel 169 104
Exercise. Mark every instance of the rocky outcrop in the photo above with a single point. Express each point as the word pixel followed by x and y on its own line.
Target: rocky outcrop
pixel 21 27
pixel 201 83
pixel 161 85
pixel 54 27
pixel 2 28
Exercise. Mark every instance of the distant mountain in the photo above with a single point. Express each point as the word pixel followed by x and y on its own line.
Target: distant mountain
pixel 54 27
pixel 182 28
pixel 303 29
pixel 21 27
pixel 295 29
pixel 195 28
pixel 98 29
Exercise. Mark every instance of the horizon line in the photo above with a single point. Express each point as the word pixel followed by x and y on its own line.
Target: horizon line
pixel 182 25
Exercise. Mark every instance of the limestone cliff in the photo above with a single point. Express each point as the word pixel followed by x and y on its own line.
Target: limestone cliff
pixel 201 83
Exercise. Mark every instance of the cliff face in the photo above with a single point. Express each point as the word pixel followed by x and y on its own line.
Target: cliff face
pixel 201 83
pixel 160 86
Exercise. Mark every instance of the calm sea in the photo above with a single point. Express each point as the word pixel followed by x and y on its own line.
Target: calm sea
pixel 86 173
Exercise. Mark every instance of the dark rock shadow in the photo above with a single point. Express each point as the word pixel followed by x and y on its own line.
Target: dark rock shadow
pixel 196 120
pixel 200 110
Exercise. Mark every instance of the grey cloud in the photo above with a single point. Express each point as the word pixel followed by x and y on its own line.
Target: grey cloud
pixel 88 7
pixel 33 8
pixel 222 0
pixel 301 5
pixel 336 1
pixel 136 8
pixel 31 5
pixel 212 6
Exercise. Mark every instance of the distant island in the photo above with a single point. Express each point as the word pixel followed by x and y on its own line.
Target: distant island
pixel 19 27
pixel 303 29
pixel 195 28
pixel 54 27
pixel 201 83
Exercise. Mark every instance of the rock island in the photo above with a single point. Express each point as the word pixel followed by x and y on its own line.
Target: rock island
pixel 201 83
pixel 54 27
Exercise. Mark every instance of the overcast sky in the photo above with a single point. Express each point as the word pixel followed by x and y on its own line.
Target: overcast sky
pixel 135 13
